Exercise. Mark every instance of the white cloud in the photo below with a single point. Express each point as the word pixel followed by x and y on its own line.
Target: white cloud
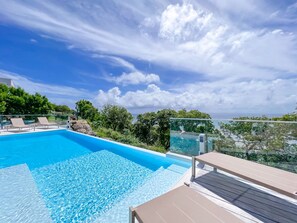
pixel 88 26
pixel 226 41
pixel 179 22
pixel 134 78
pixel 56 93
pixel 117 61
pixel 243 97
pixel 33 41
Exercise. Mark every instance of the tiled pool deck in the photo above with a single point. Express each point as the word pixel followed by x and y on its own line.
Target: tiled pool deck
pixel 37 129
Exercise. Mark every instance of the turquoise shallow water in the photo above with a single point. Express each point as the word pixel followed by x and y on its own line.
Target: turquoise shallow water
pixel 84 179
pixel 39 149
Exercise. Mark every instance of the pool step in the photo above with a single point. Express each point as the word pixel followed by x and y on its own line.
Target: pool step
pixel 20 200
pixel 161 181
pixel 96 182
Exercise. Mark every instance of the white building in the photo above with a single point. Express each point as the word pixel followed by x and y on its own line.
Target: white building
pixel 6 81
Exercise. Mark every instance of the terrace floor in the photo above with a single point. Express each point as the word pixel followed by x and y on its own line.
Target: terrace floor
pixel 248 201
pixel 24 130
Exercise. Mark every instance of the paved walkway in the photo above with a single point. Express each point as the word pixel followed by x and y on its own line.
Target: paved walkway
pixel 37 129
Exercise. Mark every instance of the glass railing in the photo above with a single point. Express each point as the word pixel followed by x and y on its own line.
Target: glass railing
pixel 273 143
pixel 60 119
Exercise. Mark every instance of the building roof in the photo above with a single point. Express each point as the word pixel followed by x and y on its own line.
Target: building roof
pixel 6 81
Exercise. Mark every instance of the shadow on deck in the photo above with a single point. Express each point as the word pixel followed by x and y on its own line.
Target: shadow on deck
pixel 260 204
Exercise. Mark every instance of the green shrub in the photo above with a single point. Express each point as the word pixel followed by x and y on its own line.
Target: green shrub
pixel 126 138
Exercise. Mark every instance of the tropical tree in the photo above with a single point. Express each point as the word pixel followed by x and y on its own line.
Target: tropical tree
pixel 154 127
pixel 145 128
pixel 116 117
pixel 17 101
pixel 37 104
pixel 86 110
pixel 63 108
pixel 186 122
pixel 163 126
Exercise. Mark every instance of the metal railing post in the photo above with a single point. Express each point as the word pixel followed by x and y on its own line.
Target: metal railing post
pixel 193 167
pixel 1 124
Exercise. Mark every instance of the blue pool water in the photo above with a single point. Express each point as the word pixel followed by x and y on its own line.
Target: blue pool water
pixel 86 179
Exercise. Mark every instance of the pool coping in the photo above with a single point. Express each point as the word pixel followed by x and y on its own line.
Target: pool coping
pixel 132 147
pixel 10 133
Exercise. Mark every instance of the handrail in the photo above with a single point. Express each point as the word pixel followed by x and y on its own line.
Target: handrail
pixel 4 118
pixel 63 114
pixel 235 120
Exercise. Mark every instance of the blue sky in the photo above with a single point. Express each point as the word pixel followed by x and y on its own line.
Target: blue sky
pixel 217 56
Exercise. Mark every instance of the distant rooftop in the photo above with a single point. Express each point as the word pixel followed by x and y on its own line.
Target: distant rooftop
pixel 6 81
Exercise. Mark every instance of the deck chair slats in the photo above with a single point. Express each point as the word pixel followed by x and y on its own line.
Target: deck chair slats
pixel 43 121
pixel 17 122
pixel 185 205
pixel 281 181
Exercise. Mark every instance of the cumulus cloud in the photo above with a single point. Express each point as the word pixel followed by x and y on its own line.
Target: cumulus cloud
pixel 243 97
pixel 179 22
pixel 134 78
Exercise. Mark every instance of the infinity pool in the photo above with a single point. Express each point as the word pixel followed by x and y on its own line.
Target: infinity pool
pixel 81 178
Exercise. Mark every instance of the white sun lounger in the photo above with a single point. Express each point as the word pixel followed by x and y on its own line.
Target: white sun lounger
pixel 19 123
pixel 182 204
pixel 43 121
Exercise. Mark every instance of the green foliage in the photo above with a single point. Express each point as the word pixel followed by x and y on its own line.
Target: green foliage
pixel 17 101
pixel 163 122
pixel 270 143
pixel 287 117
pixel 258 135
pixel 154 127
pixel 198 126
pixel 86 110
pixel 117 118
pixel 151 130
pixel 2 106
pixel 126 138
pixel 285 161
pixel 145 128
pixel 63 108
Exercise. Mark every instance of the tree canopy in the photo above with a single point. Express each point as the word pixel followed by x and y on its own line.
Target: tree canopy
pixel 86 110
pixel 116 117
pixel 154 127
pixel 63 108
pixel 17 101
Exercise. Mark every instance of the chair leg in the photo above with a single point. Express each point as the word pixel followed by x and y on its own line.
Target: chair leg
pixel 131 215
